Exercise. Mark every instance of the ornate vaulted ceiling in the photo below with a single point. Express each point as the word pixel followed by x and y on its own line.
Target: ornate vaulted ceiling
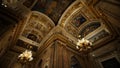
pixel 74 19
pixel 43 22
pixel 52 8
pixel 43 18
pixel 47 17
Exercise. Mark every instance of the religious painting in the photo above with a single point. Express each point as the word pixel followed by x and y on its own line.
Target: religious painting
pixel 78 20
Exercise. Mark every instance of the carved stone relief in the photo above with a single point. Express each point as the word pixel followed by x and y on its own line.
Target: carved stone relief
pixel 71 30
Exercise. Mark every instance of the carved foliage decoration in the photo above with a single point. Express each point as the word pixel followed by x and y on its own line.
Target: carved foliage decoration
pixel 71 30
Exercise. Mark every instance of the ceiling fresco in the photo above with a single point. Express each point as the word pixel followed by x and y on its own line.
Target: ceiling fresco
pixel 52 8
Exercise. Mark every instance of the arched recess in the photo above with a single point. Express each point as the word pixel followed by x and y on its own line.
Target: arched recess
pixel 36 27
pixel 76 14
pixel 88 28
pixel 95 32
pixel 40 63
pixel 75 63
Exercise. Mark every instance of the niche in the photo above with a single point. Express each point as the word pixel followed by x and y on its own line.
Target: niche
pixel 75 63
pixel 111 63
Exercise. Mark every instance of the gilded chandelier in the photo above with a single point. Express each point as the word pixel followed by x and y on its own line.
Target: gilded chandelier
pixel 25 57
pixel 83 45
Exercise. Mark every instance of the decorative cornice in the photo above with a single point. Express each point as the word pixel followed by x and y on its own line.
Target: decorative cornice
pixel 59 38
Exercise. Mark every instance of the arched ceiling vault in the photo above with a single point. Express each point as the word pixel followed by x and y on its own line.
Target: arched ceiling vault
pixel 45 22
pixel 50 17
pixel 52 8
pixel 36 28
